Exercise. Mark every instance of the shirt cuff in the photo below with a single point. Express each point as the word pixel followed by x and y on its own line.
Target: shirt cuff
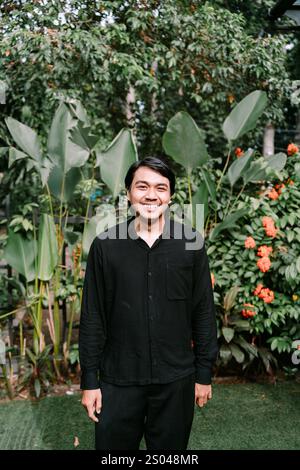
pixel 89 380
pixel 203 376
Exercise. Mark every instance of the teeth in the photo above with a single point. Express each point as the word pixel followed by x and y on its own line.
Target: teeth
pixel 151 206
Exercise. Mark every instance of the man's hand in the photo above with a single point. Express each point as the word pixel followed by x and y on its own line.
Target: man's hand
pixel 202 394
pixel 92 401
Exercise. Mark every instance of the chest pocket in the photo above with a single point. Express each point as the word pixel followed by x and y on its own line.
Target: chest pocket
pixel 179 280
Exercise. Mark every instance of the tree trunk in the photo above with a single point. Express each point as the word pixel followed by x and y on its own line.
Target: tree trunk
pixel 130 100
pixel 269 136
pixel 297 134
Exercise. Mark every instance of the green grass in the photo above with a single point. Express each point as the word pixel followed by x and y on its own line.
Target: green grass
pixel 240 416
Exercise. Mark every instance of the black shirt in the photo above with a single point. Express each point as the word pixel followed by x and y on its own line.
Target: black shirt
pixel 147 314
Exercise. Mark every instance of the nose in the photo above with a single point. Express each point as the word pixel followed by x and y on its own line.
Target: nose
pixel 151 194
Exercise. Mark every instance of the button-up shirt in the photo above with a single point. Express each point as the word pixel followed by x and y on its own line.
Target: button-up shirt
pixel 147 313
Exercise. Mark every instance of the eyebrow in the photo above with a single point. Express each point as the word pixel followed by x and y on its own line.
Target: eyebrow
pixel 146 182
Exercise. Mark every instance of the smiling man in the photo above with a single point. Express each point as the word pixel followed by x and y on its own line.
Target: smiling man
pixel 147 338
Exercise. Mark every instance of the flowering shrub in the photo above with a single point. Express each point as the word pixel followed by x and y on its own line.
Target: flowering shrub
pixel 256 269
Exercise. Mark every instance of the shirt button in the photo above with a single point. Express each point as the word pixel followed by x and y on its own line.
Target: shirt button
pixel 149 273
pixel 150 297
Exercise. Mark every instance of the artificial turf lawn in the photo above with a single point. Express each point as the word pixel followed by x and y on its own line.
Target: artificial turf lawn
pixel 240 416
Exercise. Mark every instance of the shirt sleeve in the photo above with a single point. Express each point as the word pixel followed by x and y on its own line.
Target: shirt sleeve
pixel 92 327
pixel 204 326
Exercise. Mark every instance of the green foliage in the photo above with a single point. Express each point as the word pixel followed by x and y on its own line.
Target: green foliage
pixel 274 324
pixel 116 160
pixel 160 48
pixel 38 373
pixel 133 66
pixel 244 115
pixel 184 142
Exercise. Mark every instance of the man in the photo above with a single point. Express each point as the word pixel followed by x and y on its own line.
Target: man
pixel 148 323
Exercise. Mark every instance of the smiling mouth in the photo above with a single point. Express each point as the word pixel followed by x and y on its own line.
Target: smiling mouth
pixel 151 206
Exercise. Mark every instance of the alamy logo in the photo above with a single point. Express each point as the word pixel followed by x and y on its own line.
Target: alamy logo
pixel 296 354
pixel 184 215
pixel 2 352
pixel 3 88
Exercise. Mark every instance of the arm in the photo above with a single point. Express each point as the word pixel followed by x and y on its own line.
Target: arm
pixel 204 327
pixel 92 330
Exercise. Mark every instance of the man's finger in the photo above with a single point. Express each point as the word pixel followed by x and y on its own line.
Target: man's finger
pixel 98 404
pixel 91 411
pixel 202 401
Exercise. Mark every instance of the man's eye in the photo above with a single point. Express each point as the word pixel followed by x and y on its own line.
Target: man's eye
pixel 141 187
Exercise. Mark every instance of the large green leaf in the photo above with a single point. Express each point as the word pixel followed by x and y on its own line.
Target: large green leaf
pixel 237 353
pixel 250 348
pixel 228 333
pixel 184 141
pixel 116 159
pixel 82 136
pixel 257 171
pixel 76 108
pixel 200 197
pixel 62 185
pixel 230 297
pixel 244 115
pixel 210 184
pixel 229 222
pixel 277 161
pixel 64 153
pixel 3 151
pixel 237 168
pixel 95 226
pixel 47 248
pixel 20 254
pixel 14 155
pixel 225 353
pixel 25 137
pixel 43 167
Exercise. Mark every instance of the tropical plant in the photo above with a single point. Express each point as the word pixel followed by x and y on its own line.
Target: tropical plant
pixel 37 254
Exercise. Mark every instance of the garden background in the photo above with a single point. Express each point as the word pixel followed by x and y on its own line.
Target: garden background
pixel 88 87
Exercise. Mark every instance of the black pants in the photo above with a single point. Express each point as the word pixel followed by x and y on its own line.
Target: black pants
pixel 162 413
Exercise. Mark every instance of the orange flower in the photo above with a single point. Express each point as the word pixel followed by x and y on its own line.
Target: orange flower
pixel 239 152
pixel 267 295
pixel 279 187
pixel 266 220
pixel 212 279
pixel 290 181
pixel 258 289
pixel 264 264
pixel 271 231
pixel 250 242
pixel 264 293
pixel 269 226
pixel 264 250
pixel 248 313
pixel 273 194
pixel 292 149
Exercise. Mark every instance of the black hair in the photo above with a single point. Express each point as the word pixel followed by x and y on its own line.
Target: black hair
pixel 155 164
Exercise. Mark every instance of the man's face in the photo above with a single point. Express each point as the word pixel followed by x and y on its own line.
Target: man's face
pixel 149 193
